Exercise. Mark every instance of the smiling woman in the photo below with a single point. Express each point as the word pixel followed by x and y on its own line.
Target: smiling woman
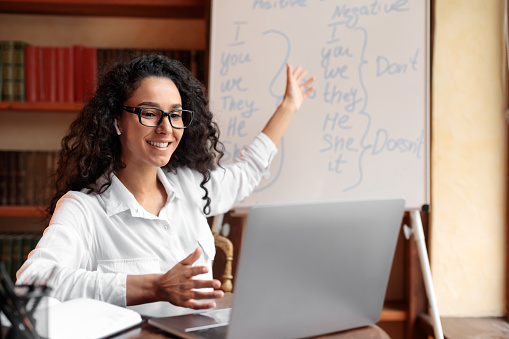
pixel 149 143
pixel 137 177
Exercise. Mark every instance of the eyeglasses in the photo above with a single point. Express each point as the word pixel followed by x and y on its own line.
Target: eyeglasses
pixel 153 117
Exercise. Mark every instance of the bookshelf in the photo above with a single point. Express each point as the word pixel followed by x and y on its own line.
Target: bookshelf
pixel 70 107
pixel 177 9
pixel 406 299
pixel 41 25
pixel 22 211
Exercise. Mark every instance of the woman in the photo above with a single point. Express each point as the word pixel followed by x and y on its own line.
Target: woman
pixel 137 177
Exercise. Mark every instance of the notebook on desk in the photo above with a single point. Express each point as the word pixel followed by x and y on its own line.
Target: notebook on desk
pixel 305 269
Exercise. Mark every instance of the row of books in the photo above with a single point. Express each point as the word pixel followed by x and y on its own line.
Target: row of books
pixel 24 177
pixel 43 73
pixel 12 70
pixel 194 60
pixel 68 73
pixel 60 74
pixel 14 249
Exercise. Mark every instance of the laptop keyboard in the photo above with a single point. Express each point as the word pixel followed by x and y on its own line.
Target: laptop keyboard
pixel 213 333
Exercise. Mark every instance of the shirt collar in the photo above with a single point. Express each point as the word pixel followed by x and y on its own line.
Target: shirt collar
pixel 172 191
pixel 117 198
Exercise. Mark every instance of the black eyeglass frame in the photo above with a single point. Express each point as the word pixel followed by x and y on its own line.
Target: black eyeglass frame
pixel 139 110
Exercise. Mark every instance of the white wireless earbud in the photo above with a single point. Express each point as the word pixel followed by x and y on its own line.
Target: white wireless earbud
pixel 116 127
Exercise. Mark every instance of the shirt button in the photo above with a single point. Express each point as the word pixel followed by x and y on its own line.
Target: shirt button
pixel 165 227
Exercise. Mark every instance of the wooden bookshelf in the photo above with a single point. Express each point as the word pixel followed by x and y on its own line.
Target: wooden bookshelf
pixel 22 211
pixel 40 106
pixel 172 9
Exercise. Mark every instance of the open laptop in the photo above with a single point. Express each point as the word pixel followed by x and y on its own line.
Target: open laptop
pixel 306 268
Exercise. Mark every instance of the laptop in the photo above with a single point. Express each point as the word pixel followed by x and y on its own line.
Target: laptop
pixel 306 268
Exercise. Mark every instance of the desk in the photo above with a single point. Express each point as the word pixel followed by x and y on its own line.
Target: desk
pixel 146 331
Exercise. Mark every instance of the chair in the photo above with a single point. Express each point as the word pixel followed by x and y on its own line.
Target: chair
pixel 222 265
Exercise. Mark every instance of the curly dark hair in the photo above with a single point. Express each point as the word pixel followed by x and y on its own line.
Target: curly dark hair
pixel 91 147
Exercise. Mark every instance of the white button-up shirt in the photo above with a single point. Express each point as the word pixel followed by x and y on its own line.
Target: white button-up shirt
pixel 96 240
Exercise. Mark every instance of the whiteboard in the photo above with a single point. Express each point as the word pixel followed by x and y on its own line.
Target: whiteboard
pixel 364 133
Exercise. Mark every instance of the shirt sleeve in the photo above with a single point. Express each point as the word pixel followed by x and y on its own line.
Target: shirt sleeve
pixel 232 183
pixel 66 247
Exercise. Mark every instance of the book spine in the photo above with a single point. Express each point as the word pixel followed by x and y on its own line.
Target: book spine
pixel 200 70
pixel 27 246
pixel 40 178
pixel 30 241
pixel 19 70
pixel 50 167
pixel 7 251
pixel 114 56
pixel 101 61
pixel 31 73
pixel 17 254
pixel 78 73
pixel 12 175
pixel 39 74
pixel 4 177
pixel 50 74
pixel 89 72
pixel 30 178
pixel 21 175
pixel 68 74
pixel 110 58
pixel 59 73
pixel 7 50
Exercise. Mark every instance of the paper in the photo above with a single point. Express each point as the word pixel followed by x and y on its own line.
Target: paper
pixel 84 319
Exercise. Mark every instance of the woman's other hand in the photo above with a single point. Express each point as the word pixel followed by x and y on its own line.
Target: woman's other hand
pixel 179 286
pixel 297 90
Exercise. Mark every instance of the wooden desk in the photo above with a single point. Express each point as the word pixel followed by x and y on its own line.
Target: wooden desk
pixel 147 331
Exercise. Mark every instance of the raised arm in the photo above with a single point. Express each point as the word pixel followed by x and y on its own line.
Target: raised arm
pixel 295 93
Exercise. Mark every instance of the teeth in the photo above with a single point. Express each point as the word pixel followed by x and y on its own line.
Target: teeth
pixel 158 144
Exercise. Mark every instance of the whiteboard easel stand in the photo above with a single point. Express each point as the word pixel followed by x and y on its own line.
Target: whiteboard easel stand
pixel 420 242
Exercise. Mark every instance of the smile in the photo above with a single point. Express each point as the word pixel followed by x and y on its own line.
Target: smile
pixel 158 144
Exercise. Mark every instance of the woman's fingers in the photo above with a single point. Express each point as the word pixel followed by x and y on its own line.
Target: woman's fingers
pixel 191 258
pixel 191 271
pixel 200 295
pixel 180 287
pixel 299 74
pixel 198 283
pixel 307 88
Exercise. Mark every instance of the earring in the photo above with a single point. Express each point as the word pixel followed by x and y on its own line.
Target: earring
pixel 116 127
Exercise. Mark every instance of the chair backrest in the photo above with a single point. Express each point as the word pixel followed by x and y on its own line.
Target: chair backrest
pixel 223 262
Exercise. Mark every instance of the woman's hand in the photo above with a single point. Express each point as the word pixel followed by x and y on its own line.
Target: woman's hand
pixel 296 92
pixel 178 285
